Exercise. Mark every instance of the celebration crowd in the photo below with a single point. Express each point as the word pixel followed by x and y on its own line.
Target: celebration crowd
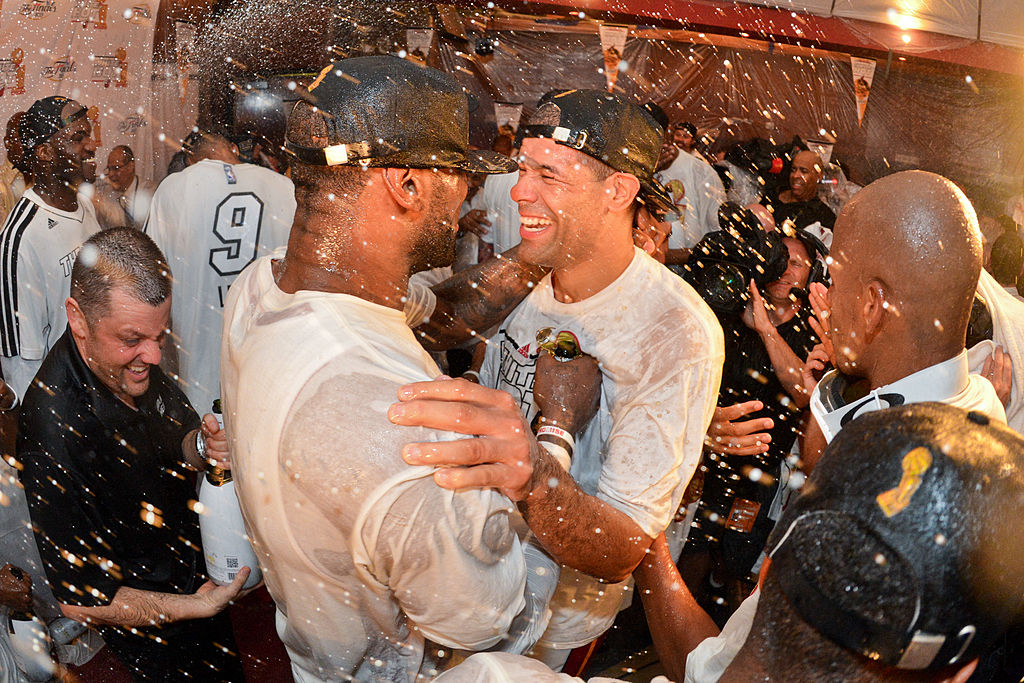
pixel 477 403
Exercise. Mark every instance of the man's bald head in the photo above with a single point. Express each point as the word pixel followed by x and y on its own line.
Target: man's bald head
pixel 804 175
pixel 914 236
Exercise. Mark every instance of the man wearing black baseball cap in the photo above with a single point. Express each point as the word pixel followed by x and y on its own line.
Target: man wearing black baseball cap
pixel 899 561
pixel 43 233
pixel 586 167
pixel 376 571
pixel 901 554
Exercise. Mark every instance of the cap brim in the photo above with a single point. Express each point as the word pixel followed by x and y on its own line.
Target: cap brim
pixel 485 161
pixel 655 197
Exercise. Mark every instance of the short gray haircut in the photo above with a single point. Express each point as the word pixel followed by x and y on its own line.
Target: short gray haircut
pixel 119 257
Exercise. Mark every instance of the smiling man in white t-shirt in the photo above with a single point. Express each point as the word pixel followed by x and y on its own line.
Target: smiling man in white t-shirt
pixel 587 161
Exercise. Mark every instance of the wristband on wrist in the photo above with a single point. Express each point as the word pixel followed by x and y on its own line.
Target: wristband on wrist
pixel 472 376
pixel 559 453
pixel 558 432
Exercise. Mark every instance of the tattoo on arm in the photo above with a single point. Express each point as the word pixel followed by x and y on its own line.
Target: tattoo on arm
pixel 476 299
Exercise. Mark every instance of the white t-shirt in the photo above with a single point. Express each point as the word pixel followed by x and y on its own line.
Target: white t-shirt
pixel 502 212
pixel 661 353
pixel 499 667
pixel 947 382
pixel 365 556
pixel 1008 331
pixel 38 247
pixel 212 220
pixel 697 192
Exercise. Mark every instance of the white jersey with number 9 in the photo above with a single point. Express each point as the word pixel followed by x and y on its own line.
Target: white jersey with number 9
pixel 212 220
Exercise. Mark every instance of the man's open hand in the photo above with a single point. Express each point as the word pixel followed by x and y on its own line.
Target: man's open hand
pixel 503 455
pixel 731 435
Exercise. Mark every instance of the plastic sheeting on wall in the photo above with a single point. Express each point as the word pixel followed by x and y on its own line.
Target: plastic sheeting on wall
pixel 996 21
pixel 917 116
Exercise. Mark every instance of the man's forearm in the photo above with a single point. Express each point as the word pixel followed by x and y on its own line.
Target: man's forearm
pixel 578 529
pixel 677 623
pixel 477 299
pixel 787 366
pixel 677 257
pixel 137 608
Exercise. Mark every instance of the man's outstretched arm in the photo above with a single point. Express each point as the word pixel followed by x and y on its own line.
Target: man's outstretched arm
pixel 578 529
pixel 476 299
pixel 139 608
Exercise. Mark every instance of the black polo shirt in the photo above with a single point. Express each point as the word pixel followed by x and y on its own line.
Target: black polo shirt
pixel 801 213
pixel 107 487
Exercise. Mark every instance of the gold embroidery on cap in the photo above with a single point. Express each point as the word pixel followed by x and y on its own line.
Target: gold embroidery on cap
pixel 323 73
pixel 915 464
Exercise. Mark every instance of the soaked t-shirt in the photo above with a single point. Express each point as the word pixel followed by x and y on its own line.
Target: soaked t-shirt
pixel 660 350
pixel 39 245
pixel 366 557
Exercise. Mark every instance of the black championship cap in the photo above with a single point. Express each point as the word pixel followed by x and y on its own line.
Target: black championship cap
pixel 384 111
pixel 905 545
pixel 43 119
pixel 607 127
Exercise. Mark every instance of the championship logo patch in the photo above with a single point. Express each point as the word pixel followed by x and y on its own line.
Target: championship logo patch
pixel 90 13
pixel 37 9
pixel 915 464
pixel 107 69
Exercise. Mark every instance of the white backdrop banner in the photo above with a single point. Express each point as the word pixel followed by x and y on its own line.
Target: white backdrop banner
pixel 98 52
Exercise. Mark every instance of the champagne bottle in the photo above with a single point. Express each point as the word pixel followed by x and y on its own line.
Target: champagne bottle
pixel 225 544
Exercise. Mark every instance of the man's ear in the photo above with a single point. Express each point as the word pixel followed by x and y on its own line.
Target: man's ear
pixel 875 308
pixel 621 189
pixel 43 151
pixel 76 318
pixel 406 187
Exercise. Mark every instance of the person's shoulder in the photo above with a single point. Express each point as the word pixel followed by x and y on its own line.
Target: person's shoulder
pixel 263 175
pixel 980 396
pixel 28 213
pixel 54 402
pixel 662 290
pixel 171 183
pixel 683 164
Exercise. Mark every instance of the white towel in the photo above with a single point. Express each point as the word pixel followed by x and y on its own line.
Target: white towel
pixel 1007 331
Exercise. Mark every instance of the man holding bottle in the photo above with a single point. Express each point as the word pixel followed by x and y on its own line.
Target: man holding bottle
pixel 106 446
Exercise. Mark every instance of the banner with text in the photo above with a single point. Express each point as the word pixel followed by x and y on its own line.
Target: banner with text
pixel 863 74
pixel 98 52
pixel 613 44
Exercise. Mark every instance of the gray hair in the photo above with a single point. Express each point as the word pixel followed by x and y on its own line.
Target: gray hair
pixel 119 257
